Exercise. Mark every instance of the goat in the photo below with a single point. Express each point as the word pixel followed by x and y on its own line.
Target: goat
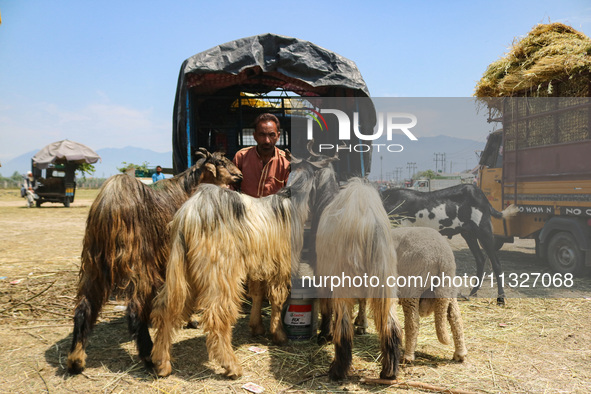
pixel 353 239
pixel 126 245
pixel 207 271
pixel 423 253
pixel 461 209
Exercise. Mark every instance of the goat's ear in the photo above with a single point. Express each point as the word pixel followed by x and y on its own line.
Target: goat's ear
pixel 211 168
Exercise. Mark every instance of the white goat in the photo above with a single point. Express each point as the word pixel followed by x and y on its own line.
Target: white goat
pixel 353 240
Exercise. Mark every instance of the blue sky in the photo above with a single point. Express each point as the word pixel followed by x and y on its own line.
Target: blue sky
pixel 104 73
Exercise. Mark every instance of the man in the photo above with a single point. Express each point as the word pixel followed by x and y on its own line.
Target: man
pixel 158 175
pixel 264 167
pixel 30 184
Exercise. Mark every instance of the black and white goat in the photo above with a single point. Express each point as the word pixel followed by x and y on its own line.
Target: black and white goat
pixel 461 209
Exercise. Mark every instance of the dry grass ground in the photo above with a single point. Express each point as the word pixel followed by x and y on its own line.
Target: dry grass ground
pixel 533 345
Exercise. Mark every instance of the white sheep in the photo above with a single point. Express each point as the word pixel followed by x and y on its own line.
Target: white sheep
pixel 423 252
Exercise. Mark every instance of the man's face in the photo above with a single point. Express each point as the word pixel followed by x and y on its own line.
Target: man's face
pixel 158 170
pixel 266 135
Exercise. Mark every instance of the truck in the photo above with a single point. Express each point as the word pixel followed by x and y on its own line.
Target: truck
pixel 221 91
pixel 430 185
pixel 540 160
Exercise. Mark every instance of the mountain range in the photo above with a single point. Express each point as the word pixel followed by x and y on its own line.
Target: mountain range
pixel 456 154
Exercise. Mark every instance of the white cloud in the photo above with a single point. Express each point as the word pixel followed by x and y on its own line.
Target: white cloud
pixel 98 125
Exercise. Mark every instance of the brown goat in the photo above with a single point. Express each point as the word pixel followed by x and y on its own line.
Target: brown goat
pixel 219 240
pixel 126 246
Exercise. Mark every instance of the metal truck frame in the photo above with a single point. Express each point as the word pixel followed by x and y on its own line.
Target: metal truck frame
pixel 541 161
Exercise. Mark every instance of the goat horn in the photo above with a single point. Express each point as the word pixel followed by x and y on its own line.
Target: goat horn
pixel 309 147
pixel 291 158
pixel 205 152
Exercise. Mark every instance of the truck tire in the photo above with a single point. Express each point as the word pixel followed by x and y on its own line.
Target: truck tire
pixel 67 202
pixel 564 254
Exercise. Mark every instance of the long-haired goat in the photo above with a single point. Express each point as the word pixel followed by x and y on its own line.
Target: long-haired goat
pixel 220 239
pixel 423 253
pixel 353 241
pixel 126 245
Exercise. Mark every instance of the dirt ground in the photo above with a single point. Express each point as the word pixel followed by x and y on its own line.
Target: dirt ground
pixel 532 345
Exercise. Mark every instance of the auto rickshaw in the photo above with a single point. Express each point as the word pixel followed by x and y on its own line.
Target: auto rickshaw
pixel 54 167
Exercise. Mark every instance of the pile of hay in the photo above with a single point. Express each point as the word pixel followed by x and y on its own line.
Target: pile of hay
pixel 553 60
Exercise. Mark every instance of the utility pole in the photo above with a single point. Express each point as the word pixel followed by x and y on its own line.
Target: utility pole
pixel 439 157
pixel 398 171
pixel 411 166
pixel 381 169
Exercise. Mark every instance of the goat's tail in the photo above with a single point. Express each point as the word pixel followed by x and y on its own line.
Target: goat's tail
pixel 170 307
pixel 511 210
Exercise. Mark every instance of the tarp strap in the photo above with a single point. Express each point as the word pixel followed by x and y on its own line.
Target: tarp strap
pixel 188 115
pixel 360 153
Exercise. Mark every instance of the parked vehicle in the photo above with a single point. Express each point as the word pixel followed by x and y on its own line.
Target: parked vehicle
pixel 54 167
pixel 541 162
pixel 430 185
pixel 222 90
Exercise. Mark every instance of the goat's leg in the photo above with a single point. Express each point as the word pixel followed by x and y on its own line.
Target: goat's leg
pixel 361 319
pixel 472 242
pixel 221 300
pixel 343 339
pixel 277 297
pixel 218 322
pixel 388 327
pixel 457 328
pixel 137 323
pixel 91 297
pixel 410 307
pixel 256 291
pixel 326 310
pixel 487 242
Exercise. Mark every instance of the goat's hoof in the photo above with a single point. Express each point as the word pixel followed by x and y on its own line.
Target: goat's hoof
pixel 501 300
pixel 460 356
pixel 162 368
pixel 148 364
pixel 360 330
pixel 192 324
pixel 324 339
pixel 75 366
pixel 257 331
pixel 234 372
pixel 335 374
pixel 408 359
pixel 388 375
pixel 279 338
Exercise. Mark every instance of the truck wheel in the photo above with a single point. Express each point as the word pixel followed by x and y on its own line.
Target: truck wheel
pixel 67 202
pixel 38 203
pixel 564 255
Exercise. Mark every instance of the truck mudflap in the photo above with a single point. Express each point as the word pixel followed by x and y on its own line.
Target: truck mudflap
pixel 578 227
